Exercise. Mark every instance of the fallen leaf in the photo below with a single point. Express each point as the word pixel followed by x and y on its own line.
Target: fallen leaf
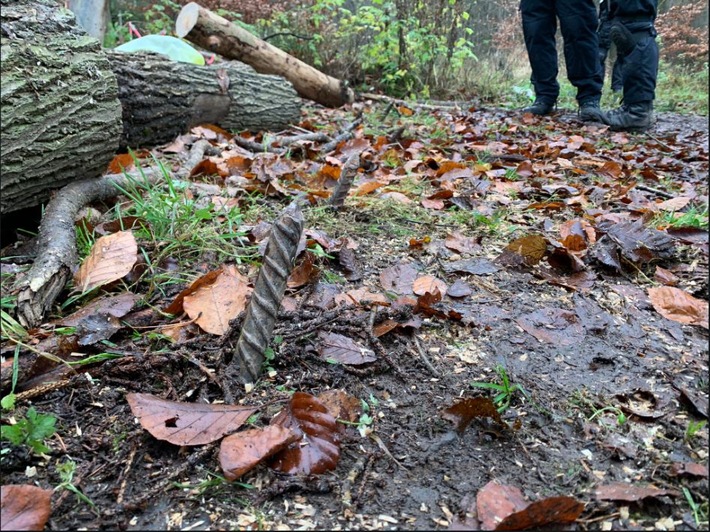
pixel 350 264
pixel 466 410
pixel 305 272
pixel 553 325
pixel 638 243
pixel 461 244
pixel 621 491
pixel 540 514
pixel 318 450
pixel 398 278
pixel 495 502
pixel 24 507
pixel 241 452
pixel 472 266
pixel 429 283
pixel 213 306
pixel 343 349
pixel 665 277
pixel 690 469
pixel 121 162
pixel 527 251
pixel 459 289
pixel 678 305
pixel 361 296
pixel 186 423
pixel 111 258
pixel 341 405
pixel 207 279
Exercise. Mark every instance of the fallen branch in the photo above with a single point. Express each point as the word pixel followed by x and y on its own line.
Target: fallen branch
pixel 346 134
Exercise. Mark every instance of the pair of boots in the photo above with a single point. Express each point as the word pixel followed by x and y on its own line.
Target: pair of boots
pixel 628 117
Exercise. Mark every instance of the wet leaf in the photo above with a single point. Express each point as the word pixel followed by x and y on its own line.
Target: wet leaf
pixel 466 410
pixel 186 423
pixel 241 452
pixel 553 325
pixel 111 258
pixel 678 305
pixel 350 264
pixel 459 289
pixel 539 514
pixel 24 507
pixel 524 251
pixel 318 450
pixel 428 283
pixel 638 243
pixel 213 305
pixel 399 278
pixel 689 469
pixel 495 502
pixel 622 491
pixel 472 266
pixel 116 306
pixel 344 350
pixel 665 277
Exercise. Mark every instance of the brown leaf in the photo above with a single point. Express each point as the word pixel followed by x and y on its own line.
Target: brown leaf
pixel 350 264
pixel 186 423
pixel 398 278
pixel 495 502
pixel 24 507
pixel 465 411
pixel 539 514
pixel 116 306
pixel 318 450
pixel 121 162
pixel 553 325
pixel 213 305
pixel 691 469
pixel 305 272
pixel 638 243
pixel 527 250
pixel 361 296
pixel 665 277
pixel 341 405
pixel 460 289
pixel 577 234
pixel 678 305
pixel 472 266
pixel 111 258
pixel 622 491
pixel 343 349
pixel 460 243
pixel 207 279
pixel 241 452
pixel 428 283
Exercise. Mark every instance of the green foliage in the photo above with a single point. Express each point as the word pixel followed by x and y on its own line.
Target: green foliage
pixel 693 428
pixel 409 48
pixel 30 430
pixel 700 510
pixel 504 389
pixel 66 472
pixel 693 217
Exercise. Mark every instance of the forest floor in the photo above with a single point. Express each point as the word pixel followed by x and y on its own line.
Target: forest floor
pixel 492 246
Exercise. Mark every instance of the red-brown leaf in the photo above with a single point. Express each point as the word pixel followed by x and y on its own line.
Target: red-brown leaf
pixel 678 305
pixel 186 423
pixel 24 507
pixel 318 450
pixel 539 514
pixel 241 452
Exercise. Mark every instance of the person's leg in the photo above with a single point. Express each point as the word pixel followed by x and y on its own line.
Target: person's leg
pixel 539 28
pixel 578 22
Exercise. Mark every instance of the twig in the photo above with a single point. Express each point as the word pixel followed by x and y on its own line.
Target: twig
pixel 255 146
pixel 344 135
pixel 287 141
pixel 655 191
pixel 425 358
pixel 302 37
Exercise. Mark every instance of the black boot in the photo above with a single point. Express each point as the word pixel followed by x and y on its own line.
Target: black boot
pixel 540 108
pixel 589 111
pixel 631 117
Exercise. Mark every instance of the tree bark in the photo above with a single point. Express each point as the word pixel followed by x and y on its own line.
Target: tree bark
pixel 162 99
pixel 214 33
pixel 60 113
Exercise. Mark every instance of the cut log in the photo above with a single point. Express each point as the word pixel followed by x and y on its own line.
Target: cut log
pixel 162 99
pixel 214 33
pixel 60 113
pixel 68 105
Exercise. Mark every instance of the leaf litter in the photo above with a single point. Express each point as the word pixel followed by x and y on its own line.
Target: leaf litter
pixel 565 301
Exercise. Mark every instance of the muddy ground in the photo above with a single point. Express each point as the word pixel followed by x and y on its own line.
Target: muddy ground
pixel 593 348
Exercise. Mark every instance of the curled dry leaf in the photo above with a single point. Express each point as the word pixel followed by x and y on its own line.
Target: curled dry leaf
pixel 207 279
pixel 318 448
pixel 333 346
pixel 24 507
pixel 186 423
pixel 539 514
pixel 678 305
pixel 111 258
pixel 241 452
pixel 306 272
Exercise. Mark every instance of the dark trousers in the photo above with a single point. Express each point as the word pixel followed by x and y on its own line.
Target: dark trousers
pixel 578 23
pixel 640 70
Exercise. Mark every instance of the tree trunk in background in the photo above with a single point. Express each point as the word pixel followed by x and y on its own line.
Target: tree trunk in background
pixel 60 113
pixel 92 15
pixel 162 99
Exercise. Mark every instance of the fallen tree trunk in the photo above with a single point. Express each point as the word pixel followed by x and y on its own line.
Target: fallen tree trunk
pixel 214 33
pixel 60 113
pixel 68 106
pixel 162 98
